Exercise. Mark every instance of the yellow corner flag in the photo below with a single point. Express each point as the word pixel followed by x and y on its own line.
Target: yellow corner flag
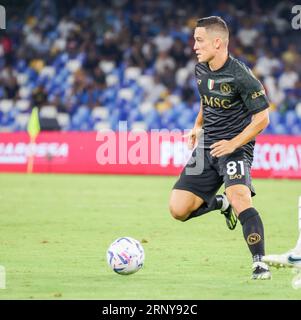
pixel 33 129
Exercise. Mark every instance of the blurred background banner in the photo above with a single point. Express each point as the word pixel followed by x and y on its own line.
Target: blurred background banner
pixel 84 152
pixel 87 65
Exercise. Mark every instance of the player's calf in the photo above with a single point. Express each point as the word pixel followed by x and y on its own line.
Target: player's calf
pixel 239 197
pixel 252 226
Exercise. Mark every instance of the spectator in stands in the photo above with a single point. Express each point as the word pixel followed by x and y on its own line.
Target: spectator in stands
pixel 109 49
pixel 136 57
pixel 163 41
pixel 275 45
pixel 149 53
pixel 92 60
pixel 58 103
pixel 276 96
pixel 168 78
pixel 8 80
pixel 180 53
pixel 267 64
pixel 39 97
pixel 5 46
pixel 104 38
pixel 291 55
pixel 99 78
pixel 247 34
pixel 288 78
pixel 157 90
pixel 164 60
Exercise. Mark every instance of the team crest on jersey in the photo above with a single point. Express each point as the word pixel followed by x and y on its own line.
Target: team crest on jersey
pixel 210 84
pixel 225 88
pixel 199 81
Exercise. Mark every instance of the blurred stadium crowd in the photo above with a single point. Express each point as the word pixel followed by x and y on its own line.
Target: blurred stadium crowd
pixel 89 64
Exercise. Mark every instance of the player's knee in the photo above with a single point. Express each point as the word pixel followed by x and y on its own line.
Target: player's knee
pixel 178 212
pixel 240 200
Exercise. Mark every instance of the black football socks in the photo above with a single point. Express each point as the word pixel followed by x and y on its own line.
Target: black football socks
pixel 253 232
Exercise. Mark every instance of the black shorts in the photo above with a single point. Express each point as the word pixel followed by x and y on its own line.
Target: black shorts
pixel 204 178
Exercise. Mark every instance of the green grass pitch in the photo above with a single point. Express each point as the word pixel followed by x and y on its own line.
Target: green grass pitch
pixel 55 230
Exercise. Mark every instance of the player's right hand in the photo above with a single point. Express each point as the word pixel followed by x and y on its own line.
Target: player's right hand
pixel 192 136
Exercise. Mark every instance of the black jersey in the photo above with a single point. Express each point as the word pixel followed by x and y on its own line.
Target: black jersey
pixel 230 96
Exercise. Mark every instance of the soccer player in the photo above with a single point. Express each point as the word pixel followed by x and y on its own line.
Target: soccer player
pixel 233 111
pixel 292 258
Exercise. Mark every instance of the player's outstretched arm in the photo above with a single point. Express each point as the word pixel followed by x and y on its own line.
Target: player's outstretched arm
pixel 259 122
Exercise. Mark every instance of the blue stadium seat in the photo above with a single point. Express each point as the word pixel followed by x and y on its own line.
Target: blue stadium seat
pixel 275 118
pixel 134 115
pixel 153 120
pixel 21 65
pixel 179 108
pixel 168 117
pixel 280 129
pixel 126 80
pixel 290 118
pixel 296 129
pixel 184 121
pixel 114 119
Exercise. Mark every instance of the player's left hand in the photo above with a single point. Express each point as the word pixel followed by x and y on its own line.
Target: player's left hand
pixel 221 148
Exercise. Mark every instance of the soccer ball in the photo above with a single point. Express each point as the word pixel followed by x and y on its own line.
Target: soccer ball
pixel 125 255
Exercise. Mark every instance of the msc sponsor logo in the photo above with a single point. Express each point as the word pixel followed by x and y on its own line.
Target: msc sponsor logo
pixel 216 102
pixel 257 94
pixel 253 238
pixel 225 88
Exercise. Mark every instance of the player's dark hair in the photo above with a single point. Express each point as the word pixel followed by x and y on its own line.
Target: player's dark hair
pixel 213 22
